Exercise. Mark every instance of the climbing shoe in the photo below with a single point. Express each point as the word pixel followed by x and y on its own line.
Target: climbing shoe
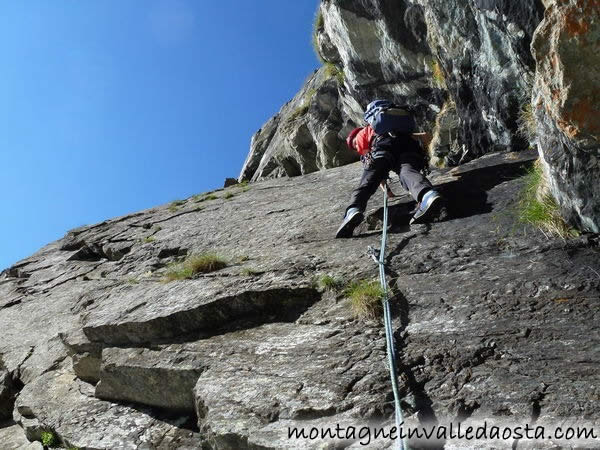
pixel 431 208
pixel 353 217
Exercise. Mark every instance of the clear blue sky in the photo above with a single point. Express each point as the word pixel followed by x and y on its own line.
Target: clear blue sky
pixel 113 106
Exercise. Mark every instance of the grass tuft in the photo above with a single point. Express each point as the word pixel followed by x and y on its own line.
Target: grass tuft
pixel 204 197
pixel 538 208
pixel 327 282
pixel 527 126
pixel 318 27
pixel 194 265
pixel 49 439
pixel 303 109
pixel 298 112
pixel 331 70
pixel 365 299
pixel 174 206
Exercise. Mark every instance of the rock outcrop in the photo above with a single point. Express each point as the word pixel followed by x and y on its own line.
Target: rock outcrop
pixel 566 103
pixel 423 54
pixel 369 50
pixel 472 74
pixel 304 136
pixel 492 319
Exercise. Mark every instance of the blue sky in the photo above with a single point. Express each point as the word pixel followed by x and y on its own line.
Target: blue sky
pixel 109 107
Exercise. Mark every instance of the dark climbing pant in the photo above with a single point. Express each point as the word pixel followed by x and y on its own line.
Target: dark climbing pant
pixel 406 164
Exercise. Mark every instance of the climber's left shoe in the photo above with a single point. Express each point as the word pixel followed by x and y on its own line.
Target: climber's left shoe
pixel 432 206
pixel 353 217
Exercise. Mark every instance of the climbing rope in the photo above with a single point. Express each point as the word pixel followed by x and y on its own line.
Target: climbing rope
pixel 387 317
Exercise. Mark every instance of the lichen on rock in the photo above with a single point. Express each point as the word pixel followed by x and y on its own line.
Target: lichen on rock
pixel 566 103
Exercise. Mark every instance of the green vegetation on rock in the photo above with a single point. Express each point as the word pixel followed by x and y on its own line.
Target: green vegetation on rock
pixel 537 207
pixel 365 298
pixel 332 71
pixel 194 265
pixel 174 206
pixel 204 197
pixel 303 109
pixel 327 282
pixel 527 126
pixel 318 27
pixel 49 439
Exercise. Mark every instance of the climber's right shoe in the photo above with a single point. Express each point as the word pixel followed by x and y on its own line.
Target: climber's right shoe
pixel 353 217
pixel 431 206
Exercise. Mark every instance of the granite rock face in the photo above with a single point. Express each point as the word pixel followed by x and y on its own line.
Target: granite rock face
pixel 7 393
pixel 492 320
pixel 305 136
pixel 566 103
pixel 60 403
pixel 482 49
pixel 369 50
pixel 507 91
pixel 422 54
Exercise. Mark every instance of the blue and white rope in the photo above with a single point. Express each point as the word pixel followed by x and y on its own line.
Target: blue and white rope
pixel 387 316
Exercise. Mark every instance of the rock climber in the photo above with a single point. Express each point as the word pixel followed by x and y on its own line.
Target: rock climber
pixel 400 153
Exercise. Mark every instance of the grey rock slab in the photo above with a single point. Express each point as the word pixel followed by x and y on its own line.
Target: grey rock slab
pixel 168 311
pixel 57 401
pixel 85 355
pixel 12 437
pixel 7 393
pixel 479 299
pixel 86 366
pixel 492 331
pixel 34 322
pixel 164 379
pixel 43 357
pixel 282 372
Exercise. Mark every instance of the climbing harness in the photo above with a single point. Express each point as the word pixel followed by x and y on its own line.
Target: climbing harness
pixel 391 351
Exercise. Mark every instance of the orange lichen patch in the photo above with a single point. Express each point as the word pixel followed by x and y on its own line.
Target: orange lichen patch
pixel 561 300
pixel 585 114
pixel 568 128
pixel 578 18
pixel 575 24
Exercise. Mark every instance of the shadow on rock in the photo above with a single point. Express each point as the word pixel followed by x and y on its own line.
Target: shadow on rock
pixel 465 197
